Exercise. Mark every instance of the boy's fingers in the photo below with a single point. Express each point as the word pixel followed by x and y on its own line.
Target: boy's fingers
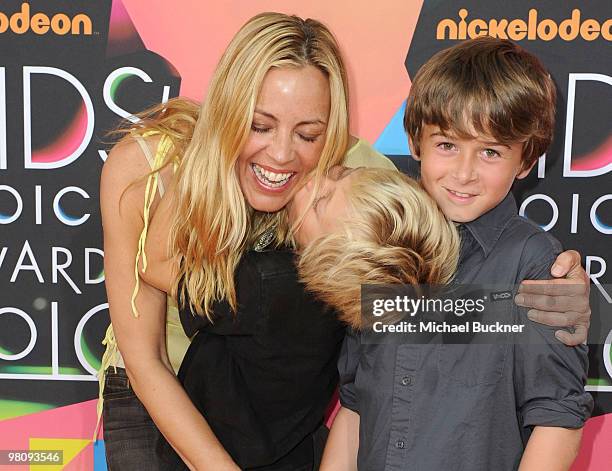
pixel 572 339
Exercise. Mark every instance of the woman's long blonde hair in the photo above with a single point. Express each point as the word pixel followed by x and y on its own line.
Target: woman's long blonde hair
pixel 212 223
pixel 395 234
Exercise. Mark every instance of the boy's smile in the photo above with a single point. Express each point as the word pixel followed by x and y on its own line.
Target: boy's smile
pixel 467 177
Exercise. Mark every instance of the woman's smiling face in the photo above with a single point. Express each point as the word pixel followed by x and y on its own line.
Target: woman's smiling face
pixel 287 135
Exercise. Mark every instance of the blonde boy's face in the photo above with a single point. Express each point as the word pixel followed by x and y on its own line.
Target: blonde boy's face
pixel 321 214
pixel 467 177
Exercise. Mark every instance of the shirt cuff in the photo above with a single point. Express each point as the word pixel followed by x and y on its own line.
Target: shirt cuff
pixel 571 412
pixel 348 398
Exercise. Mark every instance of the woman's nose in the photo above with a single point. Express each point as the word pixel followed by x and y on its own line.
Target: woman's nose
pixel 280 149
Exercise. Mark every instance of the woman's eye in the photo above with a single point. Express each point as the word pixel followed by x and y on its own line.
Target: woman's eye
pixel 259 129
pixel 308 138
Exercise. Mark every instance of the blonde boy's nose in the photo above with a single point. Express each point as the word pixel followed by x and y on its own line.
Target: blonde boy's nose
pixel 309 184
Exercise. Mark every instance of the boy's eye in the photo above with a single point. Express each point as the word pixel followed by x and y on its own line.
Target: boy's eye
pixel 491 153
pixel 316 202
pixel 259 129
pixel 446 146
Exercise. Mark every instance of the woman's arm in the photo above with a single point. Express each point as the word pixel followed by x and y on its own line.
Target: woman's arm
pixel 343 443
pixel 560 302
pixel 548 376
pixel 142 340
pixel 551 448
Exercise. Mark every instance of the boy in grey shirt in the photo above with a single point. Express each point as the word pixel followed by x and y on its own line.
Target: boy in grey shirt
pixel 478 116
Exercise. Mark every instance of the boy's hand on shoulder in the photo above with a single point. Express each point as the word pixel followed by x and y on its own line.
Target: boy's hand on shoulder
pixel 560 302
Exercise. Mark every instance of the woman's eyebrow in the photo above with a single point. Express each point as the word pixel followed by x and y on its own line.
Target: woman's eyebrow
pixel 301 123
pixel 312 121
pixel 265 113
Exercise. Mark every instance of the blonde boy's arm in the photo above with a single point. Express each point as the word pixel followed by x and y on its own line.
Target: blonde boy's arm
pixel 343 442
pixel 551 448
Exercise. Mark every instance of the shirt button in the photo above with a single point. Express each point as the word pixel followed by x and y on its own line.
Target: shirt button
pixel 400 444
pixel 406 380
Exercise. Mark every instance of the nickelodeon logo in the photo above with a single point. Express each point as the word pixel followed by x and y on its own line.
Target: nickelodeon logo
pixel 21 22
pixel 519 29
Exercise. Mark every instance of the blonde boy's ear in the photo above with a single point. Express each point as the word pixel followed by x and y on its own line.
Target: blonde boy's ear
pixel 412 153
pixel 523 173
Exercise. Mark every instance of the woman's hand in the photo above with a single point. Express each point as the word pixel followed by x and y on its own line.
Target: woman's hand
pixel 560 302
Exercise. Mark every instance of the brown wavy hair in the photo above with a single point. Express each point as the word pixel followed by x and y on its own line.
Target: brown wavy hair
pixel 489 85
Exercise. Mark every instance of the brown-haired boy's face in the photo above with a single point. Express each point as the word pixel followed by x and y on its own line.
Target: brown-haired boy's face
pixel 467 177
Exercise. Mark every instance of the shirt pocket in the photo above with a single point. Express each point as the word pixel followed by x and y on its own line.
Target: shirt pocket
pixel 472 364
pixel 478 358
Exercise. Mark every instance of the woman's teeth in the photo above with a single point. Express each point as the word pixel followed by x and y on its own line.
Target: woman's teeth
pixel 271 179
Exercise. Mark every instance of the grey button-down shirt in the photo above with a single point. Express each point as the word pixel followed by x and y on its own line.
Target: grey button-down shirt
pixel 468 407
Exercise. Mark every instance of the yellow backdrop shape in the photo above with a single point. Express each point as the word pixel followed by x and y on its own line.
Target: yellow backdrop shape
pixel 70 446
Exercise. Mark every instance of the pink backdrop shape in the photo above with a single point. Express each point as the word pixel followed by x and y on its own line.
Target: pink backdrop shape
pixel 69 422
pixel 596 449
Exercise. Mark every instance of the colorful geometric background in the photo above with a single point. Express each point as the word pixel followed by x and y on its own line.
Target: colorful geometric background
pixel 67 91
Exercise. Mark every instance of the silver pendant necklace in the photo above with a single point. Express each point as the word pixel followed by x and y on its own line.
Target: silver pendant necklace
pixel 265 239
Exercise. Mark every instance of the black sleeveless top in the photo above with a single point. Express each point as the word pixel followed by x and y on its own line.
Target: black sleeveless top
pixel 264 376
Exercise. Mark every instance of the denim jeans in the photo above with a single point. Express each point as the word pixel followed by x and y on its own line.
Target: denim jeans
pixel 305 457
pixel 133 442
pixel 130 436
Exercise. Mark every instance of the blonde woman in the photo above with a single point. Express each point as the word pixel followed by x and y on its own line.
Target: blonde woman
pixel 276 109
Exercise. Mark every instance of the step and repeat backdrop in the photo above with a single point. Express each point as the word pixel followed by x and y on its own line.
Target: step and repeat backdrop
pixel 71 70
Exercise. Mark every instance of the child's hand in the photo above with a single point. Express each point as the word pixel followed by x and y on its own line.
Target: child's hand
pixel 563 302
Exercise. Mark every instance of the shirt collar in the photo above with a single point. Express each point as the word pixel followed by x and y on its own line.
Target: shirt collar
pixel 487 228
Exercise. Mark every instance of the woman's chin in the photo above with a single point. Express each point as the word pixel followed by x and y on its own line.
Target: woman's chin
pixel 267 204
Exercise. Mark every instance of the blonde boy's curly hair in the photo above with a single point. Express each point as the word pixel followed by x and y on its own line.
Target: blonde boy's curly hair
pixel 396 234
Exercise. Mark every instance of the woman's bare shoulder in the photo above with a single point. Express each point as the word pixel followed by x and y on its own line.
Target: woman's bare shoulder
pixel 127 161
pixel 127 167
